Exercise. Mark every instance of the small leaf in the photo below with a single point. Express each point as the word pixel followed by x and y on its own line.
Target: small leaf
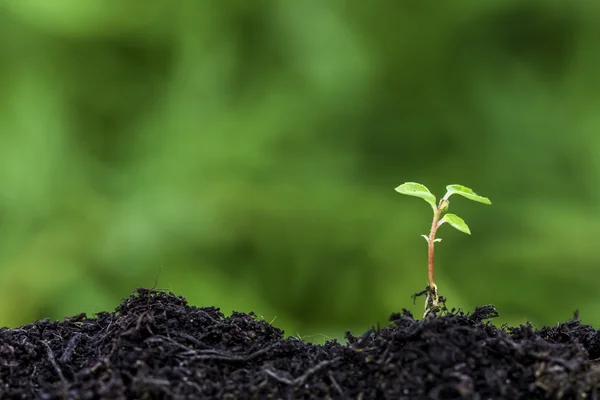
pixel 426 238
pixel 456 221
pixel 466 192
pixel 417 190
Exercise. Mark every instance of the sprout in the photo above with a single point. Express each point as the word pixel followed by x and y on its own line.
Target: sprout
pixel 418 190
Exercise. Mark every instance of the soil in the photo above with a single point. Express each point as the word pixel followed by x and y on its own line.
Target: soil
pixel 156 346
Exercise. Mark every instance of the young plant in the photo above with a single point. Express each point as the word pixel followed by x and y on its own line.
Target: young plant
pixel 418 190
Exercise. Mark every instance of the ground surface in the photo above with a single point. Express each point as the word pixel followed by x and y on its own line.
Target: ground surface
pixel 156 346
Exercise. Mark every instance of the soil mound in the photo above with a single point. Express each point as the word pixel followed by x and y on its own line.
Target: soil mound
pixel 156 346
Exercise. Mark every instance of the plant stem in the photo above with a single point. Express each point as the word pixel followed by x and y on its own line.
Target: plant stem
pixel 431 241
pixel 430 245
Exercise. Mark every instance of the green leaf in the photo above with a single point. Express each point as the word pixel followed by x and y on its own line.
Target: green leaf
pixel 456 221
pixel 466 192
pixel 417 190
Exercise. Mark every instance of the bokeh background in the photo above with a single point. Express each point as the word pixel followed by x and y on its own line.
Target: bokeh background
pixel 246 154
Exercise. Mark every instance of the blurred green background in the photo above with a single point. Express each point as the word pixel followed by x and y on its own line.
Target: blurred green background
pixel 248 152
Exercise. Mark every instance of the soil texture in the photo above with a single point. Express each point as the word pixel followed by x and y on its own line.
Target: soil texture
pixel 156 346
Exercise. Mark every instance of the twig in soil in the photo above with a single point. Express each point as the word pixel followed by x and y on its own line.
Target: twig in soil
pixel 299 381
pixel 207 316
pixel 278 378
pixel 165 339
pixel 335 384
pixel 217 355
pixel 66 356
pixel 50 354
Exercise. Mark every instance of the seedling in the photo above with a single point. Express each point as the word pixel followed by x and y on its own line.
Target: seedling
pixel 417 190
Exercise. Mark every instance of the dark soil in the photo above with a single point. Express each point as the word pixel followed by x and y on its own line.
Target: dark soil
pixel 156 346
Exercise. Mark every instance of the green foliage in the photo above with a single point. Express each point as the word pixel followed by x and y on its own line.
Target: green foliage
pixel 417 190
pixel 465 192
pixel 456 222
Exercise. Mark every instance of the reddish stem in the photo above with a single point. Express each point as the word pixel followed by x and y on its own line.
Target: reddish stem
pixel 431 241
